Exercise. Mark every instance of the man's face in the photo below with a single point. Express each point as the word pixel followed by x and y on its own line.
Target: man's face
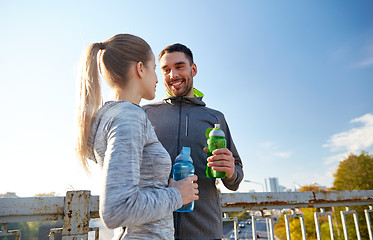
pixel 178 73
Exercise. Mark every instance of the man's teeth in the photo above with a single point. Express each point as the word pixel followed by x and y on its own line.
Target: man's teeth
pixel 176 83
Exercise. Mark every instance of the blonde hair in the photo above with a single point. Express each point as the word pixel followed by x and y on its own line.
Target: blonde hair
pixel 113 59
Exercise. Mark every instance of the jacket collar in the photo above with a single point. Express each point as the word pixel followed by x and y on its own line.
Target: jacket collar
pixel 197 99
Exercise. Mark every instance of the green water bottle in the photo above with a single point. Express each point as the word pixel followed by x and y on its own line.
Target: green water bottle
pixel 215 140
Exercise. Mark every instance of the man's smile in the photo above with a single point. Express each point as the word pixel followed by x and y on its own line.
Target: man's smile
pixel 176 83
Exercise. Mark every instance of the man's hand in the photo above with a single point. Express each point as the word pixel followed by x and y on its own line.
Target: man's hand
pixel 222 160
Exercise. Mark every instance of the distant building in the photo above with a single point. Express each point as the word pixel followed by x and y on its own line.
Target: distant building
pixel 272 185
pixel 8 195
pixel 282 188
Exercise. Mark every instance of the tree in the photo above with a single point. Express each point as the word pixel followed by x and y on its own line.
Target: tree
pixel 313 188
pixel 355 173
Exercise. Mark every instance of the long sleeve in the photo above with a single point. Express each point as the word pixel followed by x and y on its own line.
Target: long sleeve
pixel 135 193
pixel 233 182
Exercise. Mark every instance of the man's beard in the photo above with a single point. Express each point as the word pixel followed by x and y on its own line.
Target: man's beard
pixel 187 90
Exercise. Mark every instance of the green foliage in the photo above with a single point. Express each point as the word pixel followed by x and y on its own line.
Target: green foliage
pixel 279 230
pixel 312 188
pixel 355 173
pixel 350 222
pixel 240 215
pixel 51 194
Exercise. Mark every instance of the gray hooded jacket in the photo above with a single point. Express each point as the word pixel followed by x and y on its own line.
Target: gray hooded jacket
pixel 135 170
pixel 182 122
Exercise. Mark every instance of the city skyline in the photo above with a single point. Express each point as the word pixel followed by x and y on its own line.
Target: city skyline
pixel 293 79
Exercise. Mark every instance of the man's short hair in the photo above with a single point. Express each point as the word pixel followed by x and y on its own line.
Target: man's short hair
pixel 177 47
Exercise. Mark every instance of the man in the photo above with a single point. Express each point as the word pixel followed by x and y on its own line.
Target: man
pixel 181 120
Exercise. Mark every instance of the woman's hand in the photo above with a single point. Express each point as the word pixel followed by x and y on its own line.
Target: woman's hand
pixel 187 187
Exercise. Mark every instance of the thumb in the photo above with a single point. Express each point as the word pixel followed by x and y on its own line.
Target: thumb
pixel 171 181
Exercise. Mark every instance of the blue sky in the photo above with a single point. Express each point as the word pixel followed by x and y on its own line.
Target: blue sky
pixel 293 78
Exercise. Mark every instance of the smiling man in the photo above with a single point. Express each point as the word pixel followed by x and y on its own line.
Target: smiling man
pixel 178 72
pixel 180 120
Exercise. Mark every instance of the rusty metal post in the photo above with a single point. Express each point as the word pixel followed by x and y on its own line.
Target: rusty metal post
pixel 234 219
pixel 368 221
pixel 53 231
pixel 287 226
pixel 269 225
pixel 318 232
pixel 269 222
pixel 5 232
pixel 302 225
pixel 253 226
pixel 76 215
pixel 353 212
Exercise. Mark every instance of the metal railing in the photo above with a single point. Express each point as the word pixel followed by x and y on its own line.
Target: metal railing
pixel 77 208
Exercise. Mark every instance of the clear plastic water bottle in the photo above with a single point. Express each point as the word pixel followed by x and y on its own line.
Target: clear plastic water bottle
pixel 183 168
pixel 215 140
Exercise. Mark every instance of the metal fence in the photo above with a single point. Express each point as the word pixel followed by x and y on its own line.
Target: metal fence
pixel 77 208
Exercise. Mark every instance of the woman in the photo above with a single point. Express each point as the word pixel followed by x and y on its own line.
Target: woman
pixel 119 137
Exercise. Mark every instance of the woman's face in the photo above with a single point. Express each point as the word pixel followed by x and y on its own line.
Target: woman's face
pixel 150 79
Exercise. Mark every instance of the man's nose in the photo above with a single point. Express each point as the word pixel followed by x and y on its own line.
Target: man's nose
pixel 174 74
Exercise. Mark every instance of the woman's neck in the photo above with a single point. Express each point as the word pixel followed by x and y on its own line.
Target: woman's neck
pixel 127 94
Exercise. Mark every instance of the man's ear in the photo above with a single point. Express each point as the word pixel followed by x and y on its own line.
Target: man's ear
pixel 140 69
pixel 194 69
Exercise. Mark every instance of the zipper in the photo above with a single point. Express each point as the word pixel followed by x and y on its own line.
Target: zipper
pixel 178 215
pixel 187 124
pixel 179 128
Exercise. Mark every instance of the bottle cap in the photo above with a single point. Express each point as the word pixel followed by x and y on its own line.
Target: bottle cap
pixel 216 131
pixel 186 153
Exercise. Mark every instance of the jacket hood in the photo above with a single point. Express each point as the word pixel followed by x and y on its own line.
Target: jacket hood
pixel 94 128
pixel 197 99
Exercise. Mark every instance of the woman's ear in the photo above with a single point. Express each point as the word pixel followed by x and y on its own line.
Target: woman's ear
pixel 140 69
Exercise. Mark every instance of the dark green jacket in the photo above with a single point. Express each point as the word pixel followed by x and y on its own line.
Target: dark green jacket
pixel 182 122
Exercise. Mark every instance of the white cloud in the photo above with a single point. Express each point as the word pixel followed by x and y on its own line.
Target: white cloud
pixel 270 150
pixel 335 158
pixel 353 140
pixel 368 62
pixel 340 53
pixel 283 154
pixel 268 145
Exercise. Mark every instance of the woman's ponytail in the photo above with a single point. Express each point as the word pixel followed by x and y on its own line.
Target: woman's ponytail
pixel 89 100
pixel 113 59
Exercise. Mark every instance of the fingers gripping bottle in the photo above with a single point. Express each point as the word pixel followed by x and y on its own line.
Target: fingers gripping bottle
pixel 215 140
pixel 183 168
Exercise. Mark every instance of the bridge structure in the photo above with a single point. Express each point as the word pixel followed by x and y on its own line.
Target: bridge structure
pixel 77 208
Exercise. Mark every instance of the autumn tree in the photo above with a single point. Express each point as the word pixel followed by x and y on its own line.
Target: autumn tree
pixel 313 188
pixel 355 173
pixel 308 216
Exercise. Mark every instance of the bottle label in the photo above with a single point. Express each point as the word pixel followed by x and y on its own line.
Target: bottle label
pixel 214 142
